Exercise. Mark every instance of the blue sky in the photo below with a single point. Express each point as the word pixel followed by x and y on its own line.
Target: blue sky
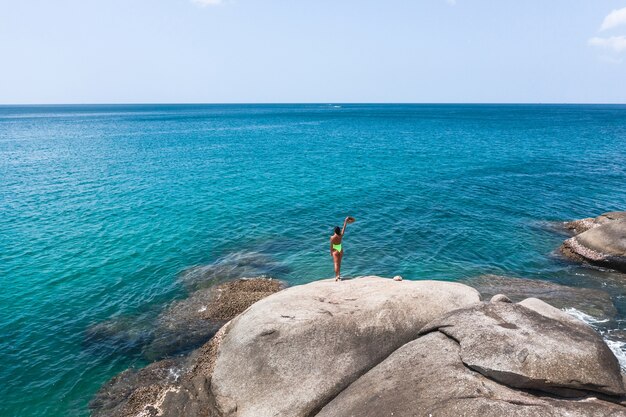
pixel 135 51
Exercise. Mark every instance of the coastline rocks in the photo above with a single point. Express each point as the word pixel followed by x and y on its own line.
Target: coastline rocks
pixel 521 348
pixel 594 302
pixel 374 347
pixel 602 241
pixel 179 386
pixel 426 377
pixel 188 323
pixel 292 352
pixel 137 392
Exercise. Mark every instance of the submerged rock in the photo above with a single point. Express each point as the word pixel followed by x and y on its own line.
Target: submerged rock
pixel 230 267
pixel 190 322
pixel 594 302
pixel 183 326
pixel 125 334
pixel 602 241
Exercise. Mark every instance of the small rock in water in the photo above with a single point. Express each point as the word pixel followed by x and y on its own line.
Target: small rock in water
pixel 500 298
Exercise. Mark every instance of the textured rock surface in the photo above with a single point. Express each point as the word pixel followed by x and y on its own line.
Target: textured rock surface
pixel 426 377
pixel 292 352
pixel 596 303
pixel 522 348
pixel 137 392
pixel 602 243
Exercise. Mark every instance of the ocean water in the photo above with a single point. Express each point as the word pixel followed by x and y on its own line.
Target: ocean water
pixel 102 208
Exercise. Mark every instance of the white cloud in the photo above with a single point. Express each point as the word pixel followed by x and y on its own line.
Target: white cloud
pixel 614 19
pixel 616 43
pixel 451 2
pixel 205 3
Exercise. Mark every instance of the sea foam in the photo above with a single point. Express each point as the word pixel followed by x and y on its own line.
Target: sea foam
pixel 618 347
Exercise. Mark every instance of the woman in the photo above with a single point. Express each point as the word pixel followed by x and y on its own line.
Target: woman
pixel 336 249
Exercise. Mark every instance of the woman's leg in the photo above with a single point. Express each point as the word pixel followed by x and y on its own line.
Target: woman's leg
pixel 337 262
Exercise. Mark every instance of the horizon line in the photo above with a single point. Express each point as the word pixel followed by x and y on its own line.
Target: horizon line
pixel 306 103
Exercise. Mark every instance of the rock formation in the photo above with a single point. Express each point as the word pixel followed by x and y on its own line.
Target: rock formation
pixel 378 347
pixel 599 241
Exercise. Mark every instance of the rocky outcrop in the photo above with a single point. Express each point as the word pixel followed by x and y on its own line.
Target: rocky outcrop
pixel 582 225
pixel 292 352
pixel 427 377
pixel 190 322
pixel 376 347
pixel 602 241
pixel 596 303
pixel 523 348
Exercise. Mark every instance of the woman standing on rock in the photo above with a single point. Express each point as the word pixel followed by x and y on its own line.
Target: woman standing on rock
pixel 336 249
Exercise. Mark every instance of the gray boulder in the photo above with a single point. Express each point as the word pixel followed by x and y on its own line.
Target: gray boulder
pixel 427 377
pixel 523 348
pixel 292 352
pixel 603 244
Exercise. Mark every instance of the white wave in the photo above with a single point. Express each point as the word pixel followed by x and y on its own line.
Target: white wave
pixel 619 350
pixel 584 316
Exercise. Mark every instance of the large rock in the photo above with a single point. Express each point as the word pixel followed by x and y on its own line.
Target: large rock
pixel 427 377
pixel 582 225
pixel 532 349
pixel 596 303
pixel 292 352
pixel 604 244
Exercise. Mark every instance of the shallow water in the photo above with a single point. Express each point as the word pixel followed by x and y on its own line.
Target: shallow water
pixel 102 208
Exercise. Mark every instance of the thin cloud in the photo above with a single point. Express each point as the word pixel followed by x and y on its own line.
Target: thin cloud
pixel 451 2
pixel 205 3
pixel 615 18
pixel 615 43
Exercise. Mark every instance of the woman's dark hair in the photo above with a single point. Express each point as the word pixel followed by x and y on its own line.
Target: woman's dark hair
pixel 337 230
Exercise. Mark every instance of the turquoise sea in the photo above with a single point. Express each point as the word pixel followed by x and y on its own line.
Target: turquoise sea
pixel 103 207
